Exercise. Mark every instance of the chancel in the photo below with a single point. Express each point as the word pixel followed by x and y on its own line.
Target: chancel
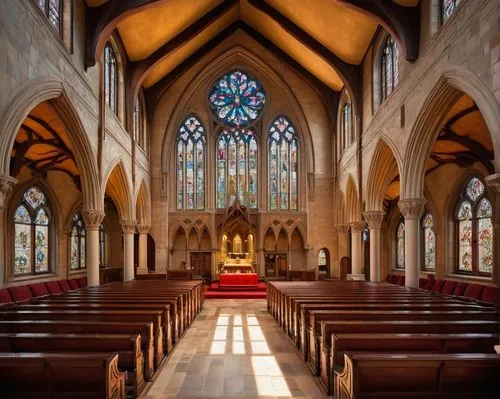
pixel 249 198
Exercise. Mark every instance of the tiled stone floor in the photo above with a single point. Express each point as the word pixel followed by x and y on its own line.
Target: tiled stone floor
pixel 234 348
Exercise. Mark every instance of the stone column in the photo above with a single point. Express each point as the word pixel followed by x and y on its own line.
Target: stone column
pixel 128 227
pixel 356 258
pixel 143 230
pixel 493 181
pixel 93 220
pixel 7 183
pixel 374 219
pixel 412 210
pixel 343 240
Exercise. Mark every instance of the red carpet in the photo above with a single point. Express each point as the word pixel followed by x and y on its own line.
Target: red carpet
pixel 213 292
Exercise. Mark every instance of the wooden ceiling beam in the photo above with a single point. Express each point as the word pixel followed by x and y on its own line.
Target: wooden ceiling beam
pixel 349 73
pixel 154 93
pixel 137 71
pixel 402 22
pixel 102 20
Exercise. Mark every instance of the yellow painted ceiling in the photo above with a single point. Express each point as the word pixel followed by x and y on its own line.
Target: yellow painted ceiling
pixel 43 150
pixel 302 54
pixel 178 56
pixel 342 30
pixel 148 30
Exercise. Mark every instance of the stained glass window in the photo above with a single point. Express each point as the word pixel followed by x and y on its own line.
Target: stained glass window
pixel 110 78
pixel 78 244
pixel 102 245
pixel 190 164
pixel 400 240
pixel 347 125
pixel 53 11
pixel 32 233
pixel 475 240
pixel 447 8
pixel 283 165
pixel 237 99
pixel 429 242
pixel 389 67
pixel 236 167
pixel 322 258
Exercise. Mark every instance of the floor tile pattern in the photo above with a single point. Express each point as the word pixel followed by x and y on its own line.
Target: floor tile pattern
pixel 234 348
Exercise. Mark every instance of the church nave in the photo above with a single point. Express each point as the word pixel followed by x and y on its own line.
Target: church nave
pixel 234 348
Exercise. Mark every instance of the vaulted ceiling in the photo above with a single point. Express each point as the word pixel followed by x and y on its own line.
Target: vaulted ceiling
pixel 326 38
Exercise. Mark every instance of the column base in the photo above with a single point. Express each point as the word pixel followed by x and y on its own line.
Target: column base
pixel 356 277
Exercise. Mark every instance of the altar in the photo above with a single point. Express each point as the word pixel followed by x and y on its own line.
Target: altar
pixel 238 280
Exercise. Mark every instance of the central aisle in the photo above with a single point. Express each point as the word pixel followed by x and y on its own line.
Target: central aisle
pixel 234 348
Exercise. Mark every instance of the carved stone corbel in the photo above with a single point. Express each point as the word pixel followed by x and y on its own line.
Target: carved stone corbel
pixel 128 226
pixel 7 184
pixel 92 218
pixel 412 208
pixel 374 219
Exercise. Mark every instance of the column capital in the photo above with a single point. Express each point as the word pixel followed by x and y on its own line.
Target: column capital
pixel 412 208
pixel 92 218
pixel 493 181
pixel 342 228
pixel 143 228
pixel 374 218
pixel 7 184
pixel 357 227
pixel 128 226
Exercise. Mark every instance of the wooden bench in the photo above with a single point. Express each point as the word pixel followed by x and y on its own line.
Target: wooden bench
pixel 128 348
pixel 387 375
pixel 123 316
pixel 61 375
pixel 397 343
pixel 145 330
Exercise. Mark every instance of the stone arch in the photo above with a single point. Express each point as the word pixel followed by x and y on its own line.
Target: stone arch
pixel 353 211
pixel 143 204
pixel 205 240
pixel 452 83
pixel 238 57
pixel 117 185
pixel 384 168
pixel 283 240
pixel 298 258
pixel 30 95
pixel 179 247
pixel 340 211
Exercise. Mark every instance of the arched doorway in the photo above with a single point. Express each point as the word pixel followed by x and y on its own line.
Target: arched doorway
pixel 323 263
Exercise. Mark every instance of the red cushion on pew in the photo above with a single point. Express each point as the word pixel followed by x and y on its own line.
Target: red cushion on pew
pixel 437 286
pixel 20 294
pixel 53 287
pixel 388 278
pixel 460 289
pixel 5 296
pixel 474 291
pixel 82 282
pixel 400 280
pixel 393 278
pixel 64 285
pixel 38 289
pixel 429 284
pixel 449 287
pixel 422 282
pixel 490 294
pixel 73 284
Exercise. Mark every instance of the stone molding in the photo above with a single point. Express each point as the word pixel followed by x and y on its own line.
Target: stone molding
pixel 143 228
pixel 357 227
pixel 128 226
pixel 7 184
pixel 92 218
pixel 412 208
pixel 374 219
pixel 342 228
pixel 493 181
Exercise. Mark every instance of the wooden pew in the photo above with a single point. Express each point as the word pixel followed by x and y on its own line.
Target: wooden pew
pixel 128 348
pixel 398 343
pixel 61 375
pixel 313 329
pixel 145 330
pixel 123 316
pixel 384 375
pixel 61 305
